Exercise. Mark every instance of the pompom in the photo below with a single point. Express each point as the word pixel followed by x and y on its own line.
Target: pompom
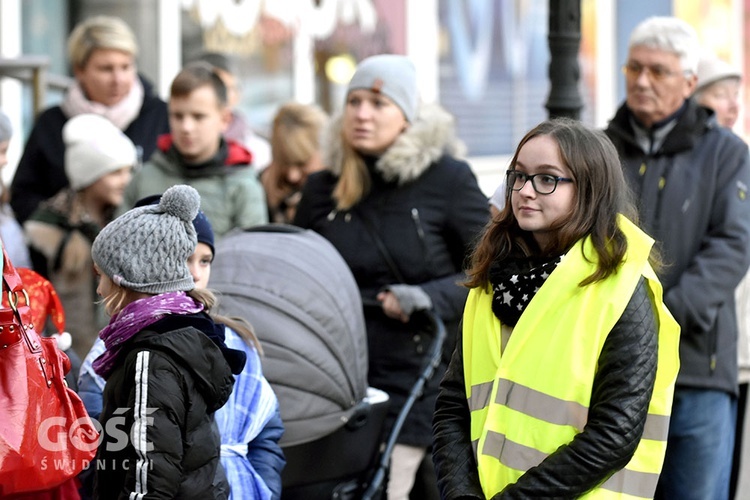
pixel 64 340
pixel 182 201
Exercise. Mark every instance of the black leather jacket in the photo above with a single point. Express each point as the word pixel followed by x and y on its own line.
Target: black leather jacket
pixel 619 404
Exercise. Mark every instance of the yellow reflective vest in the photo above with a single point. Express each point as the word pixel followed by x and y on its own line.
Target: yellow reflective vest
pixel 534 397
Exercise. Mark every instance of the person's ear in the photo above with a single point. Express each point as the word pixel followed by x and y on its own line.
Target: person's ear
pixel 226 117
pixel 691 81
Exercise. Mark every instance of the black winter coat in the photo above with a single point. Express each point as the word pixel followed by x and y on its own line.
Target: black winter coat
pixel 428 209
pixel 41 171
pixel 175 378
pixel 692 197
pixel 627 373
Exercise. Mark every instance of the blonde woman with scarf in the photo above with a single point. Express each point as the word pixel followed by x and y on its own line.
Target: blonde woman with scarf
pixel 102 52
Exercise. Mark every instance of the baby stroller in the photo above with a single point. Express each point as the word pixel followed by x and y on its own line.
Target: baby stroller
pixel 305 307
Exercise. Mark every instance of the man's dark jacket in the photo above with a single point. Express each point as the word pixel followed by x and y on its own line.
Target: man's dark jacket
pixel 692 197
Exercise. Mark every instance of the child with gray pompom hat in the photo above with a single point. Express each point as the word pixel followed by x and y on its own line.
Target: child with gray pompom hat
pixel 166 365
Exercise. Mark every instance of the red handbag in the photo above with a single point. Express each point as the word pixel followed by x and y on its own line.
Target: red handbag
pixel 46 435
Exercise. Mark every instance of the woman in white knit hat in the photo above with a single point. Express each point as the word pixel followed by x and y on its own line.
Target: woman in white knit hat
pixel 718 88
pixel 99 159
pixel 403 210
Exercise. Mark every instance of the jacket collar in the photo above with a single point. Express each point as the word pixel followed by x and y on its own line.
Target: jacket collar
pixel 229 153
pixel 690 124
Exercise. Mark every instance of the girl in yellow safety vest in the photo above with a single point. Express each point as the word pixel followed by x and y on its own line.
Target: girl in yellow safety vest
pixel 562 381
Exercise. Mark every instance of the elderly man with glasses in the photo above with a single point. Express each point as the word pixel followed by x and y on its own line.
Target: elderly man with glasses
pixel 690 178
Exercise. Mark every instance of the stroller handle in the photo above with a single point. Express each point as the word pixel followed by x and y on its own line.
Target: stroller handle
pixel 435 355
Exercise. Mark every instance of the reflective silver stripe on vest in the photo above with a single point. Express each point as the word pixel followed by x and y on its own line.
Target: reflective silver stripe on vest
pixel 551 409
pixel 521 457
pixel 630 482
pixel 511 454
pixel 480 396
pixel 542 406
pixel 656 428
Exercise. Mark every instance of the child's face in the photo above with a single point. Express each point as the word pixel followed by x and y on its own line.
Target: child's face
pixel 105 289
pixel 200 265
pixel 197 122
pixel 109 190
pixel 541 213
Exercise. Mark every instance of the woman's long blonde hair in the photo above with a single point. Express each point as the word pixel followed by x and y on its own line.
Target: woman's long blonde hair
pixel 354 181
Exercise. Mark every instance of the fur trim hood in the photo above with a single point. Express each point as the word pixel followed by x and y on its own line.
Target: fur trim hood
pixel 430 136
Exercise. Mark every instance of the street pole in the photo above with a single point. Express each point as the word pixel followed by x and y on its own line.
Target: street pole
pixel 564 73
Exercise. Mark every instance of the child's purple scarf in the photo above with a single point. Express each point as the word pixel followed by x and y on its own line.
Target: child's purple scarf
pixel 135 317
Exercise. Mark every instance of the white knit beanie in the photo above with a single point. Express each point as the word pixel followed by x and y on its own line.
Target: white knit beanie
pixel 391 75
pixel 94 147
pixel 711 69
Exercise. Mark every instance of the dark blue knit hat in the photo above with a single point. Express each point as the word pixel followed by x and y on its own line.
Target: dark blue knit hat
pixel 205 231
pixel 201 223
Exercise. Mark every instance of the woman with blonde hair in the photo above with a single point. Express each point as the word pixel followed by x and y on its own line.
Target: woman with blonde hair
pixel 403 211
pixel 102 52
pixel 295 148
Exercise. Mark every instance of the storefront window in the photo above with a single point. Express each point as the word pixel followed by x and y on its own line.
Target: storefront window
pixel 262 57
pixel 493 70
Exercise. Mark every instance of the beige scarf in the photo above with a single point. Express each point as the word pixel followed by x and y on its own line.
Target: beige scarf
pixel 121 114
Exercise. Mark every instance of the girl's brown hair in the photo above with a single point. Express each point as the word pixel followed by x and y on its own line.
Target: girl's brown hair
pixel 240 325
pixel 601 194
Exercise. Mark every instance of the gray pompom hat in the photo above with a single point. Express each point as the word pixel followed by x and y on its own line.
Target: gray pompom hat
pixel 391 75
pixel 146 249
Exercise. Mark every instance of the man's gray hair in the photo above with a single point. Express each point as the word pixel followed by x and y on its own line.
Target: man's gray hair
pixel 670 34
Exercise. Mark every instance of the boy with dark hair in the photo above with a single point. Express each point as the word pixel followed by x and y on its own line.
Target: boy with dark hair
pixel 196 153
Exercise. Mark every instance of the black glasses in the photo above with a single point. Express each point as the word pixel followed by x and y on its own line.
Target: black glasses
pixel 542 183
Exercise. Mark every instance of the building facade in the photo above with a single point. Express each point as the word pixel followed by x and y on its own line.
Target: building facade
pixel 486 61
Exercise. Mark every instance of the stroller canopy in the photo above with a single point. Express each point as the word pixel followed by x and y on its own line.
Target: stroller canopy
pixel 301 298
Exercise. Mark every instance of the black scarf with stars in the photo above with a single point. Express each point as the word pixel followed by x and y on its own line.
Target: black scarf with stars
pixel 515 281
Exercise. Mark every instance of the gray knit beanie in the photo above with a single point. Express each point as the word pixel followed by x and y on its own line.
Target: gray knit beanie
pixel 146 249
pixel 391 75
pixel 6 129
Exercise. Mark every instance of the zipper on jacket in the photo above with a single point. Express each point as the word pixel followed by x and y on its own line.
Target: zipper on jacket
pixel 422 237
pixel 714 347
pixel 418 223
